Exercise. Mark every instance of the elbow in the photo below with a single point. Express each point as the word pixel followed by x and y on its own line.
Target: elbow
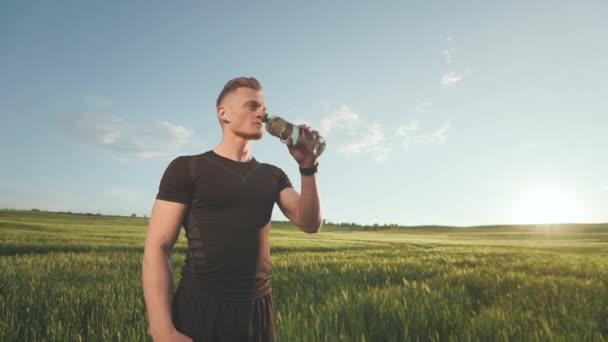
pixel 154 251
pixel 314 228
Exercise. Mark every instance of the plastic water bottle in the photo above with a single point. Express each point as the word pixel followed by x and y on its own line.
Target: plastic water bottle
pixel 284 129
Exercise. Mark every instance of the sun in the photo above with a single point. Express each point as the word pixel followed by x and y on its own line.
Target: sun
pixel 547 205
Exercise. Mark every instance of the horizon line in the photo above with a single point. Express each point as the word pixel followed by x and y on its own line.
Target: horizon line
pixel 348 224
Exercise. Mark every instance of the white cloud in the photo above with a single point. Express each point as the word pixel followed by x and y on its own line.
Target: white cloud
pixel 382 153
pixel 180 133
pixel 448 54
pixel 127 141
pixel 423 107
pixel 412 134
pixel 355 136
pixel 440 135
pixel 342 117
pixel 102 129
pixel 406 129
pixel 450 78
pixel 369 138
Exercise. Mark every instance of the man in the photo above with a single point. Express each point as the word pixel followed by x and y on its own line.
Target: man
pixel 224 199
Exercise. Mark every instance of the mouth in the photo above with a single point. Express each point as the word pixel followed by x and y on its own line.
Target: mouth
pixel 258 123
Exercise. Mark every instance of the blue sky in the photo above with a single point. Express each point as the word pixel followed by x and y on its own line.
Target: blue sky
pixel 458 113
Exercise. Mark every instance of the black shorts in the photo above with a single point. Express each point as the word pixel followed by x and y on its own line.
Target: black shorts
pixel 206 318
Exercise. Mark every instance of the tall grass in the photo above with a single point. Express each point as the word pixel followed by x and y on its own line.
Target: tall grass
pixel 70 277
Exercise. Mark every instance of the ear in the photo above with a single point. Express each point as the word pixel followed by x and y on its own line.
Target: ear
pixel 223 115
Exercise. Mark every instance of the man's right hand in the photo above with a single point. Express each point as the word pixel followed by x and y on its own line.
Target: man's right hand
pixel 171 336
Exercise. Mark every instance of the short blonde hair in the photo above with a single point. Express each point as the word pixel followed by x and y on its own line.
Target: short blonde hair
pixel 234 84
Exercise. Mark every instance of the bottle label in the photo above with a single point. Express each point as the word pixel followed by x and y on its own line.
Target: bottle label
pixel 295 135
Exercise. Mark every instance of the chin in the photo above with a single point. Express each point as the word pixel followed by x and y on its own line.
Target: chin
pixel 253 136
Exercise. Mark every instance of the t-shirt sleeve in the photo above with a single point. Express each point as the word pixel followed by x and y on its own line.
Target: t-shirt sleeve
pixel 283 182
pixel 176 183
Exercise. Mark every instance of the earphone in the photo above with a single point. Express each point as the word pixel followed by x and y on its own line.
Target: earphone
pixel 227 118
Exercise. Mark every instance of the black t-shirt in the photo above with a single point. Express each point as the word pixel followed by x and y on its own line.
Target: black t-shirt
pixel 227 222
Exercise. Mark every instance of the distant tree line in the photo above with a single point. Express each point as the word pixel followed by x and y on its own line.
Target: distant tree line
pixel 345 225
pixel 76 213
pixel 353 225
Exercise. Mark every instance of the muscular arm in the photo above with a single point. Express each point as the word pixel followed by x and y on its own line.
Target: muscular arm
pixel 303 210
pixel 157 278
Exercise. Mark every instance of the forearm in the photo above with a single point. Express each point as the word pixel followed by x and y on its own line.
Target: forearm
pixel 309 207
pixel 157 281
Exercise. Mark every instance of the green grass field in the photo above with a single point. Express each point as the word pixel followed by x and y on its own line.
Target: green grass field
pixel 75 277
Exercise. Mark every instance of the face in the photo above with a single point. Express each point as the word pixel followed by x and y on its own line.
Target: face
pixel 244 108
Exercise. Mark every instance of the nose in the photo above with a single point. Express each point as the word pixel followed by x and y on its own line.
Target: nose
pixel 260 112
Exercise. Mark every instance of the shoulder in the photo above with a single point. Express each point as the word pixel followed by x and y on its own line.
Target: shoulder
pixel 181 166
pixel 180 162
pixel 186 159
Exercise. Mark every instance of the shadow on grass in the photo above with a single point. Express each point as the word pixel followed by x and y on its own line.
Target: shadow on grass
pixel 12 250
pixel 319 249
pixel 17 226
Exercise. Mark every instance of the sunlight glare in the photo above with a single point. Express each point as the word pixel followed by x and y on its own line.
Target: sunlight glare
pixel 547 205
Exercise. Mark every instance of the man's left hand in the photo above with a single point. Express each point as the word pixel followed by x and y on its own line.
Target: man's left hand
pixel 301 154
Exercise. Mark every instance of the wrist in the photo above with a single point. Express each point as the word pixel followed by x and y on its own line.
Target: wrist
pixel 307 164
pixel 161 331
pixel 307 170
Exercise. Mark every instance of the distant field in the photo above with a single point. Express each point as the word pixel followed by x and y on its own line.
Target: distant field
pixel 73 277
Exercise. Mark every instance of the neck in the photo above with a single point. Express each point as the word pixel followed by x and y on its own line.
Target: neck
pixel 237 149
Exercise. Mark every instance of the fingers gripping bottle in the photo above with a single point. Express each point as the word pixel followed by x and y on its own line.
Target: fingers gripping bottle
pixel 284 129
